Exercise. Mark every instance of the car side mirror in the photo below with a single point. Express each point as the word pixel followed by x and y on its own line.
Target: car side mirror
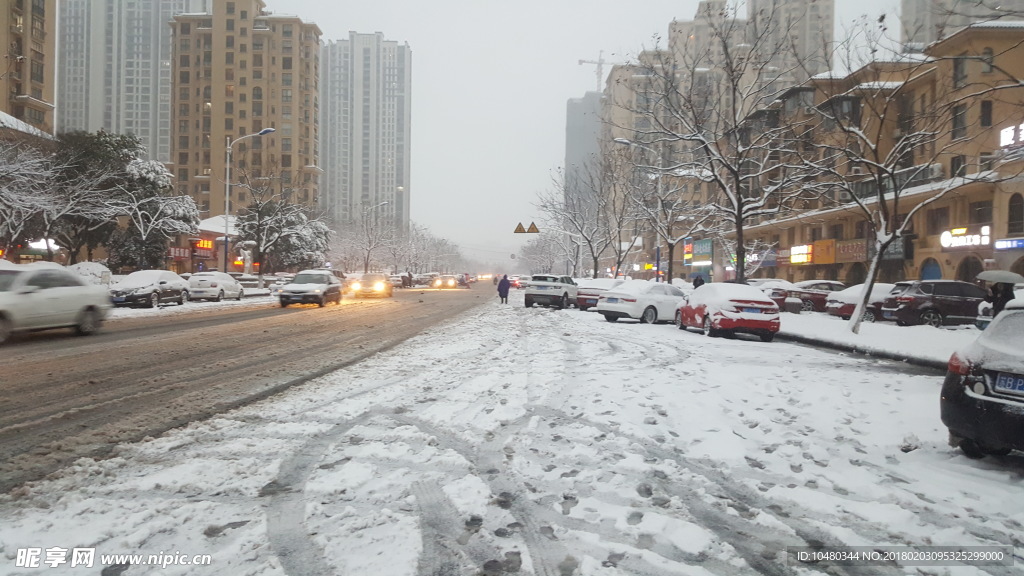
pixel 162 282
pixel 29 290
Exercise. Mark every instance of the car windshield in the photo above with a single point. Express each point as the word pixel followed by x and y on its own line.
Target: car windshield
pixel 367 278
pixel 545 278
pixel 7 279
pixel 310 279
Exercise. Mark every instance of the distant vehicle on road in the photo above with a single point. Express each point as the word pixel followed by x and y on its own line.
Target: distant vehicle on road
pixel 373 285
pixel 44 296
pixel 311 287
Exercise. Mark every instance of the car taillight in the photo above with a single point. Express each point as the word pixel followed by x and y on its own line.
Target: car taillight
pixel 628 299
pixel 904 299
pixel 957 365
pixel 213 284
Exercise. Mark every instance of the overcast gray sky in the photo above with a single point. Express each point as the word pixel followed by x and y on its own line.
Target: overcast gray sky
pixel 490 85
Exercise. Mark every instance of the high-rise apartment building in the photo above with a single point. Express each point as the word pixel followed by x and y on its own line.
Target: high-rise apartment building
pixel 582 149
pixel 237 70
pixel 115 68
pixel 925 21
pixel 365 129
pixel 28 30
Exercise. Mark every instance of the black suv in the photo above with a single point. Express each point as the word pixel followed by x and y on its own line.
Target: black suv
pixel 933 302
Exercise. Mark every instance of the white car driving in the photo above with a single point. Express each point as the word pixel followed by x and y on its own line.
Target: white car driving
pixel 45 295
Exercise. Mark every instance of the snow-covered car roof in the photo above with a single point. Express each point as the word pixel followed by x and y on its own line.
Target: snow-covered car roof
pixel 604 283
pixel 776 283
pixel 142 278
pixel 633 287
pixel 850 295
pixel 718 293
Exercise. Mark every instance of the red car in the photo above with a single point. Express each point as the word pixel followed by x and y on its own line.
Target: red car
pixel 843 302
pixel 731 308
pixel 814 293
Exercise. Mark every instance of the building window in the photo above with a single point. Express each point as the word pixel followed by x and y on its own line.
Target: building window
pixel 183 61
pixel 257 93
pixel 1015 215
pixel 957 166
pixel 182 141
pixel 979 212
pixel 183 77
pixel 959 121
pixel 938 221
pixel 231 7
pixel 960 71
pixel 230 24
pixel 183 175
pixel 987 59
pixel 183 94
pixel 229 42
pixel 986 112
pixel 286 63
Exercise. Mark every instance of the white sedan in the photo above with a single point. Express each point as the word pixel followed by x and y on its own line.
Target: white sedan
pixel 214 286
pixel 642 300
pixel 45 295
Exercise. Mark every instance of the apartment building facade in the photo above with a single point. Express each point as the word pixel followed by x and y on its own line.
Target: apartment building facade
pixel 238 70
pixel 28 30
pixel 114 71
pixel 925 21
pixel 366 130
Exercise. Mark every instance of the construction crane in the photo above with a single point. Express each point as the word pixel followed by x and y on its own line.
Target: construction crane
pixel 600 62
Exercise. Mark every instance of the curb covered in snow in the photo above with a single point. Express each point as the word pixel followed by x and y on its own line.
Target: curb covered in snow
pixel 925 362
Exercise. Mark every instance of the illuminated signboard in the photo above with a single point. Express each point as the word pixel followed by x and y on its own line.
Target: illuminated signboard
pixel 965 238
pixel 1011 244
pixel 207 244
pixel 801 254
pixel 687 251
pixel 703 252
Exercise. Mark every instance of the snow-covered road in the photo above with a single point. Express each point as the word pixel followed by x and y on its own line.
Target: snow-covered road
pixel 536 441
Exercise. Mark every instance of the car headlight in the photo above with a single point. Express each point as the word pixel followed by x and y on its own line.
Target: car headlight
pixel 451 282
pixel 379 286
pixel 356 286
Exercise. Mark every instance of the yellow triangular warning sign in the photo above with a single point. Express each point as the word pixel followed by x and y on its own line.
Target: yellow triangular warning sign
pixel 533 229
pixel 520 229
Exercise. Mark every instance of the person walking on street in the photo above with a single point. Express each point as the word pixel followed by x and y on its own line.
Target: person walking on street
pixel 698 281
pixel 503 287
pixel 1001 293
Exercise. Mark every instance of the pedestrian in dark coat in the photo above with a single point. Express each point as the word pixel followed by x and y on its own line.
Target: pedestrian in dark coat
pixel 698 282
pixel 503 287
pixel 1001 293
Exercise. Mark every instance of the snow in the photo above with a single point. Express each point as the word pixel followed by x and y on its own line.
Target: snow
pixel 851 295
pixel 552 442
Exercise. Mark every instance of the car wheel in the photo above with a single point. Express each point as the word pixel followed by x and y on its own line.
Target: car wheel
pixel 931 318
pixel 650 315
pixel 709 328
pixel 869 316
pixel 563 303
pixel 284 304
pixel 528 302
pixel 767 336
pixel 322 302
pixel 220 296
pixel 88 322
pixel 611 318
pixel 901 323
pixel 5 330
pixel 806 306
pixel 971 449
pixel 679 320
pixel 154 300
pixel 240 294
pixel 182 298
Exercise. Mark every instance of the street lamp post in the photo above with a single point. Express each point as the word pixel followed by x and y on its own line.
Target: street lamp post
pixel 661 169
pixel 370 232
pixel 227 187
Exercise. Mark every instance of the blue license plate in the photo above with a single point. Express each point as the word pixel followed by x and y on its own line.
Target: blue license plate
pixel 888 314
pixel 118 299
pixel 752 310
pixel 1013 383
pixel 612 300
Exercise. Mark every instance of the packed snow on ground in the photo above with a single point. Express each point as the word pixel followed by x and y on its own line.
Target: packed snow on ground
pixel 539 441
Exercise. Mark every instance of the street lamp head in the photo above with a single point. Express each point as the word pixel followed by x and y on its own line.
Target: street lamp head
pixel 265 131
pixel 623 141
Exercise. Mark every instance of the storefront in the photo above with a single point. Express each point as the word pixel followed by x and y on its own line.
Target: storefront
pixel 892 267
pixel 852 255
pixel 703 259
pixel 1009 254
pixel 825 267
pixel 966 248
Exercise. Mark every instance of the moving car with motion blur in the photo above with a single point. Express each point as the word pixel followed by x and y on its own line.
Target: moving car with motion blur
pixel 721 307
pixel 311 287
pixel 643 300
pixel 377 285
pixel 214 286
pixel 149 288
pixel 42 296
pixel 982 400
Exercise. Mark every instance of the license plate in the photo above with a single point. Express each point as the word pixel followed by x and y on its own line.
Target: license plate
pixel 752 310
pixel 541 287
pixel 888 314
pixel 118 299
pixel 612 300
pixel 1013 383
